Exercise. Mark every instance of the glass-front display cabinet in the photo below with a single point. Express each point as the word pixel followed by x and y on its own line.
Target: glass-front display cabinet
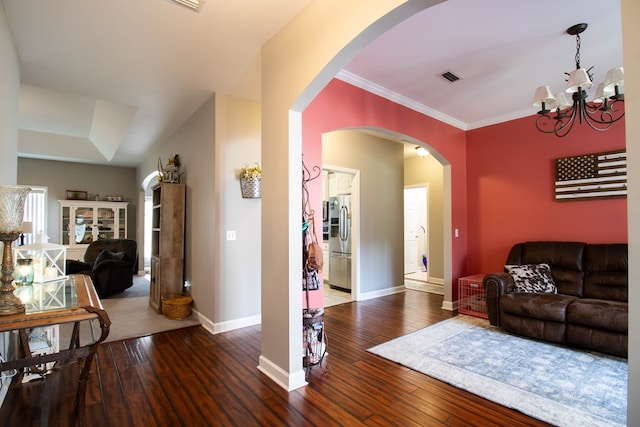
pixel 82 222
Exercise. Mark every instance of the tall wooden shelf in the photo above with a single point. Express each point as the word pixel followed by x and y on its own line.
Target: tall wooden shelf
pixel 167 242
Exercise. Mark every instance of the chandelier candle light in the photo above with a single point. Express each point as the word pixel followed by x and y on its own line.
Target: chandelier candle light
pixel 11 216
pixel 600 113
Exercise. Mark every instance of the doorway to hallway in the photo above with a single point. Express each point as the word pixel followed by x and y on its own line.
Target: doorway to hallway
pixel 416 241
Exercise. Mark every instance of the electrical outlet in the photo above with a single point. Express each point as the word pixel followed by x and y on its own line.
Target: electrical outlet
pixel 231 235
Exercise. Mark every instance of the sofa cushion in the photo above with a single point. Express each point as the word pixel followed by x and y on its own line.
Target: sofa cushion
pixel 532 278
pixel 106 255
pixel 552 307
pixel 600 314
pixel 564 258
pixel 596 339
pixel 606 272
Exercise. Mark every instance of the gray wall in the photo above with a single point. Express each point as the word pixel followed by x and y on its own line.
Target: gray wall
pixel 380 163
pixel 59 177
pixel 418 170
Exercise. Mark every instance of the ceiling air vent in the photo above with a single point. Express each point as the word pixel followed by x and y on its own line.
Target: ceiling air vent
pixel 448 75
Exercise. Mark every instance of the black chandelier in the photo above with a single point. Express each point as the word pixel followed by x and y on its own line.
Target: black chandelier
pixel 557 116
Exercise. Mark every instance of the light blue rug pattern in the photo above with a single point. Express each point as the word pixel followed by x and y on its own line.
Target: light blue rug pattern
pixel 558 385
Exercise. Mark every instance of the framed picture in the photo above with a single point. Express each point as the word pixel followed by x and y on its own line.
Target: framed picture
pixel 76 195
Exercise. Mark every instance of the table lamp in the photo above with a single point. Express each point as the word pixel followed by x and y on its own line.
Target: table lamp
pixel 11 216
pixel 27 228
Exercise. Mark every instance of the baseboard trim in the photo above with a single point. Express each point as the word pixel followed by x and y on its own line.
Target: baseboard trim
pixel 436 280
pixel 215 328
pixel 450 306
pixel 286 380
pixel 381 293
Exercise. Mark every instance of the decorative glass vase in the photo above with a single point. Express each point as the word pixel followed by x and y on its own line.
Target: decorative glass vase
pixel 11 217
pixel 251 188
pixel 12 208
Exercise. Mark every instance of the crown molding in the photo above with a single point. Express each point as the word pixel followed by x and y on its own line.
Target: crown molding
pixel 376 89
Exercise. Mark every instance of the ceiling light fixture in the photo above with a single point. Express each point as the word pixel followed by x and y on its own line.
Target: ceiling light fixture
pixel 600 113
pixel 193 4
pixel 422 152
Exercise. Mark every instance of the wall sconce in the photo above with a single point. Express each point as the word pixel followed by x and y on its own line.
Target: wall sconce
pixel 422 152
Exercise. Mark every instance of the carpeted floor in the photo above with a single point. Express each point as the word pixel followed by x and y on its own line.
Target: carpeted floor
pixel 558 385
pixel 132 317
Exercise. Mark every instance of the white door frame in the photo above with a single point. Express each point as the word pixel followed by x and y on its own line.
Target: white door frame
pixel 355 227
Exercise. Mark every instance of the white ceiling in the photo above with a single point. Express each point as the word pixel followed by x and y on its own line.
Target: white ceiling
pixel 103 81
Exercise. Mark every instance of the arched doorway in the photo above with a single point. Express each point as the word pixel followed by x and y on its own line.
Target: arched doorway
pixel 284 102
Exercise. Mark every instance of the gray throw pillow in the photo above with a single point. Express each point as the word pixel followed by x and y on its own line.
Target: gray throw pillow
pixel 532 278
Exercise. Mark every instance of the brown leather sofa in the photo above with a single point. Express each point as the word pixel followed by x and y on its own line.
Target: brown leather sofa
pixel 590 308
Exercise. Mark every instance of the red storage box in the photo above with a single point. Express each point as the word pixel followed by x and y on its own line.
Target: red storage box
pixel 471 296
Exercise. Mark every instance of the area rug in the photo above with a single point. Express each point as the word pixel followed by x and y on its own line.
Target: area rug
pixel 558 385
pixel 132 317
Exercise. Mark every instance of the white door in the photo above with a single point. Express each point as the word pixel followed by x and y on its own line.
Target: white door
pixel 415 229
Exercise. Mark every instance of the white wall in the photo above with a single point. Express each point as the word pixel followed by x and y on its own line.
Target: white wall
pixel 9 101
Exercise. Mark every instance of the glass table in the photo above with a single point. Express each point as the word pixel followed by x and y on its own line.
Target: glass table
pixel 70 301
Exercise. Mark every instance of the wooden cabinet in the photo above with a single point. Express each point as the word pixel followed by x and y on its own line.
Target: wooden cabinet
pixel 82 222
pixel 167 242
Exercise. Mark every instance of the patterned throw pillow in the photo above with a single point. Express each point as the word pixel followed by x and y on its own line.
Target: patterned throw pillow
pixel 532 278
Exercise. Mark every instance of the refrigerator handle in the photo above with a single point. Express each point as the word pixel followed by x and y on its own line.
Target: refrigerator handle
pixel 343 223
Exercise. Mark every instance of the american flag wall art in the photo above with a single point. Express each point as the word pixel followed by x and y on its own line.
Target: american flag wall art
pixel 599 175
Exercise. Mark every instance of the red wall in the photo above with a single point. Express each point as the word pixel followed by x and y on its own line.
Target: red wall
pixel 510 185
pixel 502 176
pixel 341 105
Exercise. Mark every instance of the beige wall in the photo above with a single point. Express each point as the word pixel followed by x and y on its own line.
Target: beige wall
pixel 296 64
pixel 59 177
pixel 220 138
pixel 9 96
pixel 238 262
pixel 380 163
pixel 427 170
pixel 631 59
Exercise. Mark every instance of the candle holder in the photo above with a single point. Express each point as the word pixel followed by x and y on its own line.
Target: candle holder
pixel 11 216
pixel 23 280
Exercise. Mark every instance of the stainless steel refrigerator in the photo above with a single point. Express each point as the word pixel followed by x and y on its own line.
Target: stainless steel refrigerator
pixel 340 242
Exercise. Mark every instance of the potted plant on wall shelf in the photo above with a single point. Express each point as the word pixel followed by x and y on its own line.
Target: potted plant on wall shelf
pixel 250 181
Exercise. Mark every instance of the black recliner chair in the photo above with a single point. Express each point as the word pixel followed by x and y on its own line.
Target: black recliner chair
pixel 111 263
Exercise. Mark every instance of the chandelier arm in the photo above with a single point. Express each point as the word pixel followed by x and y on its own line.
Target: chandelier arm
pixel 542 123
pixel 606 113
pixel 601 125
pixel 565 124
pixel 562 123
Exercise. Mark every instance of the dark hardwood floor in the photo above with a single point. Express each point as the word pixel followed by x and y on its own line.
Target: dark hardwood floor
pixel 189 377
